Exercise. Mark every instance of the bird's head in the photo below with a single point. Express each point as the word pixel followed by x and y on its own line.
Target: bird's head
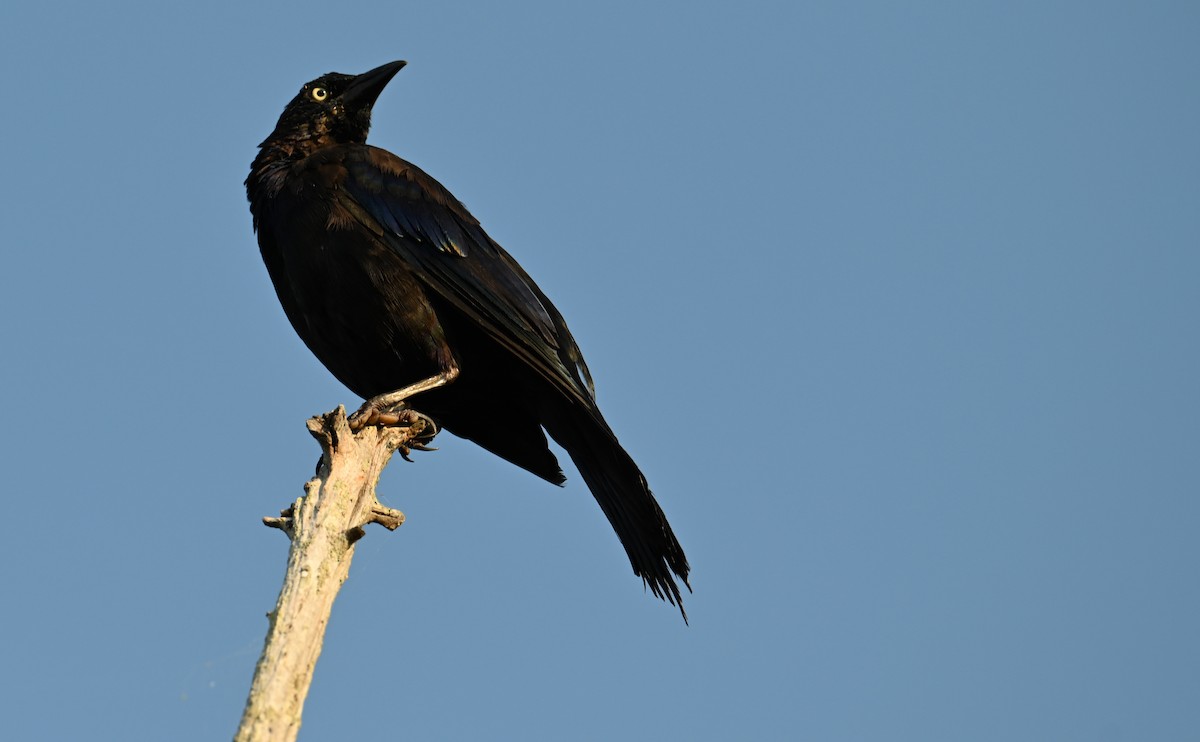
pixel 333 109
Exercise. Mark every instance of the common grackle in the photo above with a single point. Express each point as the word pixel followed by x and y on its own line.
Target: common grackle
pixel 397 289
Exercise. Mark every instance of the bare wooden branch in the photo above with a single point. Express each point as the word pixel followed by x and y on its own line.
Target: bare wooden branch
pixel 323 527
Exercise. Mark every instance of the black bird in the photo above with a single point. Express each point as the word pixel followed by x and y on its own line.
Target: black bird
pixel 396 288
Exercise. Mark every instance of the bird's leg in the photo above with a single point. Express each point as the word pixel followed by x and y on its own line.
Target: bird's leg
pixel 385 409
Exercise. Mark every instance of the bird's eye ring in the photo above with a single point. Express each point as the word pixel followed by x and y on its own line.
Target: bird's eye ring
pixel 319 94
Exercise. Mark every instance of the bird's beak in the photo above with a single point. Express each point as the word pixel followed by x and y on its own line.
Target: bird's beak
pixel 366 87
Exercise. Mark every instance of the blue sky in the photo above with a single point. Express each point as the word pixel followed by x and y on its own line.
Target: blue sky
pixel 895 305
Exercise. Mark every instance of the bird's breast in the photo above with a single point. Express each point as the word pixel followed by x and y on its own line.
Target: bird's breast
pixel 355 303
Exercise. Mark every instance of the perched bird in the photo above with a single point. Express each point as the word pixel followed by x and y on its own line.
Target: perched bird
pixel 399 292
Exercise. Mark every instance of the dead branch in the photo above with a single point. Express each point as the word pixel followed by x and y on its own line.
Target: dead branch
pixel 323 526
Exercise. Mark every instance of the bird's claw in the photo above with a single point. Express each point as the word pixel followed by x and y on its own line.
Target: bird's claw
pixel 368 415
pixel 400 417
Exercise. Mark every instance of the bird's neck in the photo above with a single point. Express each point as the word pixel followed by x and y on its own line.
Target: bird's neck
pixel 286 150
pixel 275 157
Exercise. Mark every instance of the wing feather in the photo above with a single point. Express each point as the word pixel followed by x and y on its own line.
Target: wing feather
pixel 420 220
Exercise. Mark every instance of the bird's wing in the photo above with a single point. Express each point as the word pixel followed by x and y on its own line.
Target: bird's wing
pixel 420 220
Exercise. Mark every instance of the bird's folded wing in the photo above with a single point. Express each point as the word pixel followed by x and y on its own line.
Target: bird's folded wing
pixel 420 220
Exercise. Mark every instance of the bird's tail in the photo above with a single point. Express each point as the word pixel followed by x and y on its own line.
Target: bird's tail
pixel 621 490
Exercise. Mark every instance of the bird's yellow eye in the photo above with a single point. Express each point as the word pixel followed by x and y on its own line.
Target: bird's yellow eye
pixel 319 94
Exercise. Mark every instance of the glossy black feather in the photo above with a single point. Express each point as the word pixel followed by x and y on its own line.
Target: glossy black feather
pixel 389 280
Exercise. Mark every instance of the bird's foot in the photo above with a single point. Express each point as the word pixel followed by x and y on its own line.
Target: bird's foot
pixel 372 414
pixel 397 416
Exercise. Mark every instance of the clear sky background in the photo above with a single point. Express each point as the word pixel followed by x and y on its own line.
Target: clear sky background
pixel 895 305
